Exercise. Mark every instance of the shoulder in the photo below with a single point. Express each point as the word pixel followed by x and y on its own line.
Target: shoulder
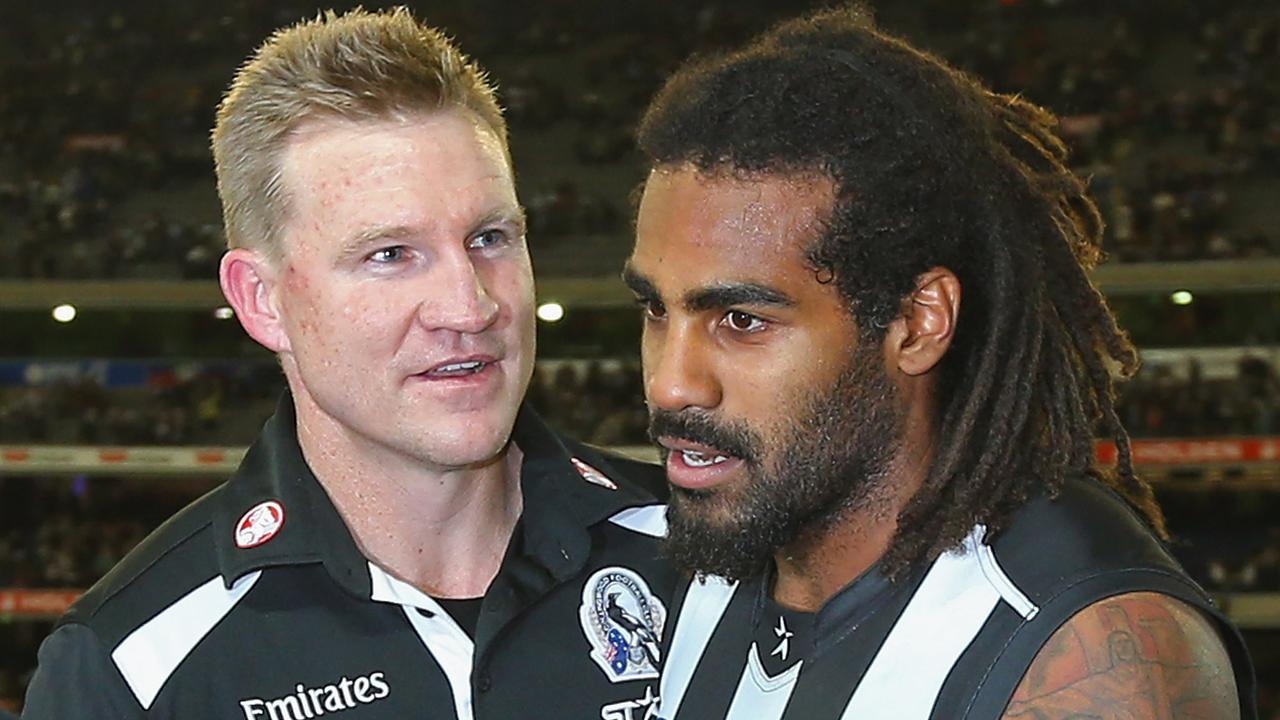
pixel 174 559
pixel 1085 543
pixel 76 679
pixel 1133 655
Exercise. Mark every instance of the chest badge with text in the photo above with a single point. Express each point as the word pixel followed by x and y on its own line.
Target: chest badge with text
pixel 623 621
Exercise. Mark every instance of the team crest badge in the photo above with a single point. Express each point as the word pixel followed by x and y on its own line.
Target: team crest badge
pixel 592 475
pixel 259 525
pixel 623 621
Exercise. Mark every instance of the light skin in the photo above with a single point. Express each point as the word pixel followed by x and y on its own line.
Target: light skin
pixel 402 314
pixel 744 356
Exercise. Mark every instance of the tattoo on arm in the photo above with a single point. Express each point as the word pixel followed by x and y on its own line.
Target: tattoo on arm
pixel 1140 656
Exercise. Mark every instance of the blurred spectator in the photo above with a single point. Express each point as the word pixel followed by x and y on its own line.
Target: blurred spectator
pixel 104 165
pixel 601 401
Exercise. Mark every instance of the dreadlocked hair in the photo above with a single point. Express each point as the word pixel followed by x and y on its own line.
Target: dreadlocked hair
pixel 932 169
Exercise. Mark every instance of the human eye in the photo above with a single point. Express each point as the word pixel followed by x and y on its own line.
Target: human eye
pixel 388 255
pixel 652 308
pixel 486 239
pixel 743 322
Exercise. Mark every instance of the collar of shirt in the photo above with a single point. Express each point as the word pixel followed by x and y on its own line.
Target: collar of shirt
pixel 841 614
pixel 560 506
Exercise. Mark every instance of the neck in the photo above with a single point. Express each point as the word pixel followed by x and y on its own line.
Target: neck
pixel 812 570
pixel 442 530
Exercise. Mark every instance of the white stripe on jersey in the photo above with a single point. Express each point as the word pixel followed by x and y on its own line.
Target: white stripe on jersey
pixel 444 638
pixel 704 605
pixel 996 575
pixel 649 520
pixel 759 695
pixel 150 654
pixel 943 617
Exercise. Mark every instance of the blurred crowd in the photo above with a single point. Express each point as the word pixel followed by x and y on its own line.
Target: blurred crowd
pixel 600 401
pixel 180 404
pixel 1166 401
pixel 104 169
pixel 1171 109
pixel 66 533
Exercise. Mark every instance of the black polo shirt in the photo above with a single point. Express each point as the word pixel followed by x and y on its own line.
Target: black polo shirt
pixel 254 602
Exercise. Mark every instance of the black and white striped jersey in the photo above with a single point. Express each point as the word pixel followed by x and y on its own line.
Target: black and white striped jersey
pixel 255 603
pixel 948 642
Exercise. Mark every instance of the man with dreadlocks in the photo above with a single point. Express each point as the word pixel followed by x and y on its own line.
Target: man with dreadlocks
pixel 875 362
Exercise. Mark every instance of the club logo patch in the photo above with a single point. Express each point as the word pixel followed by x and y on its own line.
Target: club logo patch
pixel 623 621
pixel 259 525
pixel 592 475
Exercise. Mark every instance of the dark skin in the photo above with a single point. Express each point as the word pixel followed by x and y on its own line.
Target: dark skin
pixel 737 324
pixel 1139 655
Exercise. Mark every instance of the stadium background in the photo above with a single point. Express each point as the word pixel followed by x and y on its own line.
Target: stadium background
pixel 126 389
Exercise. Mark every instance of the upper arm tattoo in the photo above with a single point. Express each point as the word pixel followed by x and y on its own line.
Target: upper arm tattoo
pixel 1140 656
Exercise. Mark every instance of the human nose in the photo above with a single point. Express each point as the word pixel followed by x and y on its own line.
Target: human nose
pixel 679 370
pixel 463 301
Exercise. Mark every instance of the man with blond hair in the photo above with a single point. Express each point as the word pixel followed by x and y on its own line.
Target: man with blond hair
pixel 404 539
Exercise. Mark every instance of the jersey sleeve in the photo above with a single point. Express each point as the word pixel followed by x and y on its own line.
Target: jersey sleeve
pixel 76 679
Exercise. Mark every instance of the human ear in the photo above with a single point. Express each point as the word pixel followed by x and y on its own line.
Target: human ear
pixel 248 279
pixel 918 339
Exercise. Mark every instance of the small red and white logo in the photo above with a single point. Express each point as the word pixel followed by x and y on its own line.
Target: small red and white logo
pixel 592 475
pixel 260 524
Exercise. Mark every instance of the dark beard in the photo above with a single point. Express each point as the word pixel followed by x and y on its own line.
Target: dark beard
pixel 825 461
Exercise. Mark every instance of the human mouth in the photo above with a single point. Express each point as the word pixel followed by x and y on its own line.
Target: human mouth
pixel 457 368
pixel 694 466
pixel 701 460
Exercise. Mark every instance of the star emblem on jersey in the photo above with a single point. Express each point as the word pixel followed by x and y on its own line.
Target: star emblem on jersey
pixel 259 525
pixel 622 620
pixel 631 709
pixel 784 641
pixel 592 475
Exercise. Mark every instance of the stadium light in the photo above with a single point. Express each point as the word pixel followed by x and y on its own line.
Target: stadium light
pixel 1182 297
pixel 224 313
pixel 64 313
pixel 550 312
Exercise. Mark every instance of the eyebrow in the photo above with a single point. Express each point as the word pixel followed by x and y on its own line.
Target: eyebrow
pixel 513 215
pixel 365 239
pixel 360 243
pixel 638 283
pixel 712 297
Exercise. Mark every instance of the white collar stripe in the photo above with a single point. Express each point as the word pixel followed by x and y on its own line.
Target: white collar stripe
pixel 440 633
pixel 151 653
pixel 944 616
pixel 648 520
pixel 760 697
pixel 995 574
pixel 704 606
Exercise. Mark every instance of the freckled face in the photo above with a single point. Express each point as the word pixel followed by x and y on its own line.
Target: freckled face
pixel 406 289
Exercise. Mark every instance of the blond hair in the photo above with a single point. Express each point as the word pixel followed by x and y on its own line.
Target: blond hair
pixel 362 66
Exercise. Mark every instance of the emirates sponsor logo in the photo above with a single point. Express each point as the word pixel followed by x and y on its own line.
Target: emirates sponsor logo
pixel 308 703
